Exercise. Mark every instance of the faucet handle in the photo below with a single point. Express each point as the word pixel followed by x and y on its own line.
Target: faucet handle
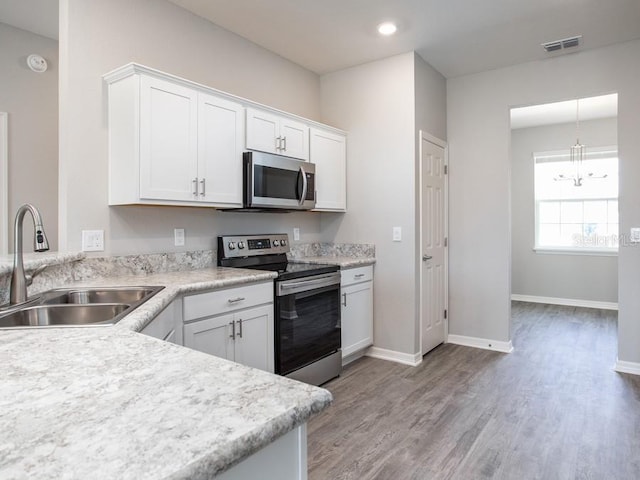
pixel 30 276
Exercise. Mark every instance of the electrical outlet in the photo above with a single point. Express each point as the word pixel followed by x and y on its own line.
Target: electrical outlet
pixel 296 234
pixel 178 237
pixel 397 234
pixel 92 240
pixel 634 235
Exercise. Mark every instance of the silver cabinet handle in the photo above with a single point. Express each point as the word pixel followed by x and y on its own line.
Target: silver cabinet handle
pixel 195 186
pixel 344 299
pixel 202 182
pixel 279 143
pixel 284 139
pixel 236 300
pixel 233 330
pixel 360 275
pixel 426 257
pixel 240 330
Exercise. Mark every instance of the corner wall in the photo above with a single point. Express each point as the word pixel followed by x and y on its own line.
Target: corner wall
pixel 31 100
pixel 376 104
pixel 100 35
pixel 479 138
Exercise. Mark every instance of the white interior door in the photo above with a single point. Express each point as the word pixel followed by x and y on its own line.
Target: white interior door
pixel 434 268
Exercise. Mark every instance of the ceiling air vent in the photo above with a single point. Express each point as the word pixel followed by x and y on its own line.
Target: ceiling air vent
pixel 557 45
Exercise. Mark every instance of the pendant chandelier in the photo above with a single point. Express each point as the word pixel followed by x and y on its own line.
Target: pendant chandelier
pixel 577 155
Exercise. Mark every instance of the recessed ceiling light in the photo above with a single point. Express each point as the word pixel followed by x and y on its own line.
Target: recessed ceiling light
pixel 387 28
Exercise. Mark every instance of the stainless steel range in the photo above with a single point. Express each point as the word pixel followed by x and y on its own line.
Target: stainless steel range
pixel 306 309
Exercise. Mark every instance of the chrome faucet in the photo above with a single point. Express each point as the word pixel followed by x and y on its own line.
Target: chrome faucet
pixel 19 280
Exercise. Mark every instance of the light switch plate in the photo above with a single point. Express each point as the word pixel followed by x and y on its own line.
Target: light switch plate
pixel 92 240
pixel 397 234
pixel 178 237
pixel 634 235
pixel 296 234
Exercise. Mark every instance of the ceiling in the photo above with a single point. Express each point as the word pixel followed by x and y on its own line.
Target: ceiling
pixel 457 37
pixel 592 108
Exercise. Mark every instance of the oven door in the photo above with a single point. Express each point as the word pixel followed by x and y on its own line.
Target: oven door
pixel 272 181
pixel 307 321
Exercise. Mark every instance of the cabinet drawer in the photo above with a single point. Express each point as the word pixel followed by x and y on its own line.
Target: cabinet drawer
pixel 356 275
pixel 227 300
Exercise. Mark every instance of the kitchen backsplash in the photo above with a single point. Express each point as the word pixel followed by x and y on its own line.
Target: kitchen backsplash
pixel 77 268
pixel 353 250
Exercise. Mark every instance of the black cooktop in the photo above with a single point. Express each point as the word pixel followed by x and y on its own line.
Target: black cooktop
pixel 289 271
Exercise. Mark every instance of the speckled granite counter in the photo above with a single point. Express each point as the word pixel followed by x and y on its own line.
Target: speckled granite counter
pixel 111 403
pixel 342 262
pixel 76 401
pixel 34 260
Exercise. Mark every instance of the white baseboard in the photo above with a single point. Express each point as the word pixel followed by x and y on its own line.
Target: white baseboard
pixel 413 360
pixel 569 302
pixel 627 367
pixel 495 345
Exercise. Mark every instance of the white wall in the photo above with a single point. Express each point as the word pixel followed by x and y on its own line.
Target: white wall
pixel 478 133
pixel 583 277
pixel 98 36
pixel 376 104
pixel 31 100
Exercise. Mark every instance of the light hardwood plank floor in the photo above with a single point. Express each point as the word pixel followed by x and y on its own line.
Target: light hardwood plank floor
pixel 552 409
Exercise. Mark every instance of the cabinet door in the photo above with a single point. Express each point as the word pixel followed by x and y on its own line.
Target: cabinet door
pixel 357 317
pixel 295 139
pixel 329 153
pixel 263 131
pixel 211 335
pixel 254 338
pixel 168 140
pixel 220 144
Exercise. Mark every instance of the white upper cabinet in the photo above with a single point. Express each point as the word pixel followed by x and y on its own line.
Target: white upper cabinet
pixel 328 150
pixel 168 140
pixel 173 145
pixel 271 133
pixel 220 145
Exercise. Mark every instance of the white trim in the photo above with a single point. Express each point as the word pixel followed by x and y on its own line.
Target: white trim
pixel 632 368
pixel 576 251
pixel 413 360
pixel 435 140
pixel 569 302
pixel 4 183
pixel 484 343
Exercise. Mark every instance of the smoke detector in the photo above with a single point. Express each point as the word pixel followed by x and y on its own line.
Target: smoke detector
pixel 563 44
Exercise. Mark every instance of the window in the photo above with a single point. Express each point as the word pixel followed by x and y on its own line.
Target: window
pixel 577 204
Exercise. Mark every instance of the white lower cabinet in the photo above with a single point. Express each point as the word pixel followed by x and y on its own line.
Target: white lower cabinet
pixel 167 325
pixel 356 290
pixel 236 324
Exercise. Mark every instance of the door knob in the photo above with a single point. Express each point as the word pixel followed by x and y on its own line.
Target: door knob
pixel 426 257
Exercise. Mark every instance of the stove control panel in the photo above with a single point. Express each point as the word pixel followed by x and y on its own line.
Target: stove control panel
pixel 253 245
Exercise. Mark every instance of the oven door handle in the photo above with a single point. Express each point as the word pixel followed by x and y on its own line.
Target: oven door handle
pixel 284 288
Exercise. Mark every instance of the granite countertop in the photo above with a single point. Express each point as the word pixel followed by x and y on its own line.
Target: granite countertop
pixel 32 261
pixel 108 402
pixel 76 401
pixel 341 261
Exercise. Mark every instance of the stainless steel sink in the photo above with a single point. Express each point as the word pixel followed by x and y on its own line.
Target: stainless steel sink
pixel 57 315
pixel 73 307
pixel 97 295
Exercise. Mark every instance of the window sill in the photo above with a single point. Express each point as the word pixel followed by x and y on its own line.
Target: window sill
pixel 575 251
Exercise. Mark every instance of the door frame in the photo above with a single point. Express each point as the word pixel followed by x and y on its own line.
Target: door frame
pixel 4 183
pixel 422 135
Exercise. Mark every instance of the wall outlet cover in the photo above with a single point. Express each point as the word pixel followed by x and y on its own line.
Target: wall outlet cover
pixel 634 235
pixel 92 240
pixel 296 234
pixel 397 234
pixel 178 237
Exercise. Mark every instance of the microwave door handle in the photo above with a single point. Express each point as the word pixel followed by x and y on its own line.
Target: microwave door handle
pixel 304 186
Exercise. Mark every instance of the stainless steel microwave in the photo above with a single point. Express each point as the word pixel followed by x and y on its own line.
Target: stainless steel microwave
pixel 277 182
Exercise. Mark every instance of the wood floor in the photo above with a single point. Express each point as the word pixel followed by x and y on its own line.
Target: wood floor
pixel 552 409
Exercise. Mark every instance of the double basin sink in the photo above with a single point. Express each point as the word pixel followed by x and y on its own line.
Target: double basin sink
pixel 77 307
